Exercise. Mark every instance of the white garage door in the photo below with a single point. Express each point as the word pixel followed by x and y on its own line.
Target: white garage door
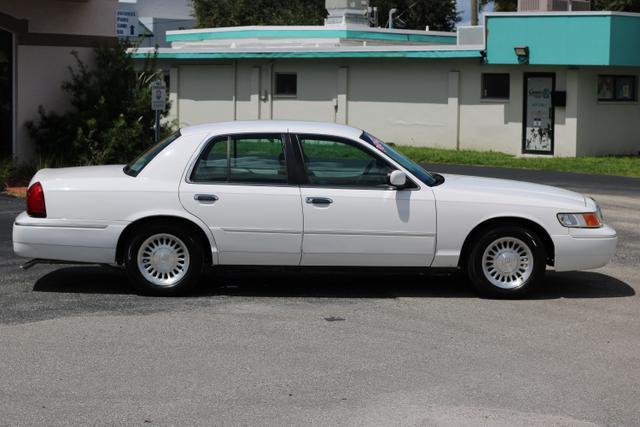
pixel 205 94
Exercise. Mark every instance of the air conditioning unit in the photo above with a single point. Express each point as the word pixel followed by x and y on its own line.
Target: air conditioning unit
pixel 347 12
pixel 554 5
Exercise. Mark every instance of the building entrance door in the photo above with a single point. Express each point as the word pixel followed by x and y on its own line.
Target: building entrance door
pixel 538 121
pixel 6 94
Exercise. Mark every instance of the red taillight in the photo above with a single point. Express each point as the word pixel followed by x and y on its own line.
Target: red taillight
pixel 35 201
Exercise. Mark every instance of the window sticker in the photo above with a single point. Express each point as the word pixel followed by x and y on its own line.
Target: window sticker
pixel 377 143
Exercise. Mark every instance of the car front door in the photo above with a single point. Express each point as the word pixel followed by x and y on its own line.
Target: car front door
pixel 353 217
pixel 239 186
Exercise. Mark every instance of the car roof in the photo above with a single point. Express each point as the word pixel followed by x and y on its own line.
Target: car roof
pixel 258 126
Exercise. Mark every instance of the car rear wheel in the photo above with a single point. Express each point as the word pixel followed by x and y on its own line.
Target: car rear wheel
pixel 507 262
pixel 164 260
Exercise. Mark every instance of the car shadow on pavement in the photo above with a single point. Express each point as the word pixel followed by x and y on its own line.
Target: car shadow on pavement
pixel 582 284
pixel 331 284
pixel 85 280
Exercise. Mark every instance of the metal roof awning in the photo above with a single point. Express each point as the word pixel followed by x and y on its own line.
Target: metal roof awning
pixel 344 52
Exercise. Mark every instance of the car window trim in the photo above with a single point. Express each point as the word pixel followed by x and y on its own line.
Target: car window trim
pixel 127 169
pixel 366 147
pixel 296 166
pixel 229 136
pixel 228 157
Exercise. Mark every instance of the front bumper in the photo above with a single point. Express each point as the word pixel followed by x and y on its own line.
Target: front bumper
pixel 584 249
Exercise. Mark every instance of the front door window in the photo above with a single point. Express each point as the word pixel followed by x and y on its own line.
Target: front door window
pixel 337 163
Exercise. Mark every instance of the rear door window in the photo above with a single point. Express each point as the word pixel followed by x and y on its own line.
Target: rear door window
pixel 250 159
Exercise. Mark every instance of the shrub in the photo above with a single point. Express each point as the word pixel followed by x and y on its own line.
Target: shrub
pixel 14 174
pixel 110 119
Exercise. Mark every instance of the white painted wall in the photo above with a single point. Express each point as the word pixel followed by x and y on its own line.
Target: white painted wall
pixel 35 87
pixel 433 103
pixel 606 127
pixel 206 94
pixel 94 17
pixel 490 124
pixel 248 91
pixel 317 92
pixel 40 70
pixel 405 102
pixel 497 124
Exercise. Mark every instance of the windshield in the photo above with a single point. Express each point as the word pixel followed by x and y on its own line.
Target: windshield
pixel 411 166
pixel 143 159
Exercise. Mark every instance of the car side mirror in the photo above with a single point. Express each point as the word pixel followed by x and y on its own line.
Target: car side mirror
pixel 397 179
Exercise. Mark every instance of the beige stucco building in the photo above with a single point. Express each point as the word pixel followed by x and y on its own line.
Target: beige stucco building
pixel 36 40
pixel 570 89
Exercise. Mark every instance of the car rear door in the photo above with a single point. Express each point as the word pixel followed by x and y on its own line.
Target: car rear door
pixel 353 217
pixel 239 186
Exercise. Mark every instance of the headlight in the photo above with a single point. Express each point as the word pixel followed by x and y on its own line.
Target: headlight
pixel 580 220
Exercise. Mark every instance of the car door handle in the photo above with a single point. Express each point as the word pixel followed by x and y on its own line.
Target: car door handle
pixel 319 200
pixel 206 198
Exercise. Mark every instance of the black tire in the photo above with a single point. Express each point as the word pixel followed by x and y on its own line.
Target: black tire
pixel 482 281
pixel 189 276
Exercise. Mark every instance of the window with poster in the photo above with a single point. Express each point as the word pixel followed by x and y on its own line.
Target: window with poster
pixel 617 88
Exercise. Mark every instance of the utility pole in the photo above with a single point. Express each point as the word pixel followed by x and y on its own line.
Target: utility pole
pixel 474 12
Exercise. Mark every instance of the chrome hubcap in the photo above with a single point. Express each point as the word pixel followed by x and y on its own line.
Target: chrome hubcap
pixel 507 263
pixel 163 259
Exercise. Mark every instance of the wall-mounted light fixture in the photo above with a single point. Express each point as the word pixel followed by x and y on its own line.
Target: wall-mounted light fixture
pixel 522 52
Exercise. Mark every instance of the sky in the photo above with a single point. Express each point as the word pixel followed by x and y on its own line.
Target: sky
pixel 463 8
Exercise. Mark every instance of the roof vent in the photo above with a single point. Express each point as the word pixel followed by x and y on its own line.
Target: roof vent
pixel 347 12
pixel 554 5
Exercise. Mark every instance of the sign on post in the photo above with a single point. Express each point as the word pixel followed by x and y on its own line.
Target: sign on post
pixel 158 95
pixel 126 23
pixel 158 102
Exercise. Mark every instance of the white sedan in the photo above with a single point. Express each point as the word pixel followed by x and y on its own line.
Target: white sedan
pixel 302 194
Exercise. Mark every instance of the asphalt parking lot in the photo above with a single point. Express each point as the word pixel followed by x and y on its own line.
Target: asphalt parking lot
pixel 290 348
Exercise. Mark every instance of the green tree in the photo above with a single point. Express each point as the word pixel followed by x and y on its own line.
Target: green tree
pixel 110 119
pixel 416 14
pixel 616 5
pixel 438 15
pixel 231 13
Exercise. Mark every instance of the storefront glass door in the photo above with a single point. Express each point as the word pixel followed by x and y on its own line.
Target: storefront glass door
pixel 538 120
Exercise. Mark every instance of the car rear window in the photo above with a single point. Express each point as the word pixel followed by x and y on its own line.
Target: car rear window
pixel 143 159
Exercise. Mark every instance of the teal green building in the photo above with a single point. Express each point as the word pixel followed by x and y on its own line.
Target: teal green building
pixel 531 84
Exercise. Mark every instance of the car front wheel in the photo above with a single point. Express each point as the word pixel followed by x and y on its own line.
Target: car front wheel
pixel 163 260
pixel 507 262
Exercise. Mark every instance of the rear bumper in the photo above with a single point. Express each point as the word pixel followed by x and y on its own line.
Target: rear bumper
pixel 65 240
pixel 585 249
